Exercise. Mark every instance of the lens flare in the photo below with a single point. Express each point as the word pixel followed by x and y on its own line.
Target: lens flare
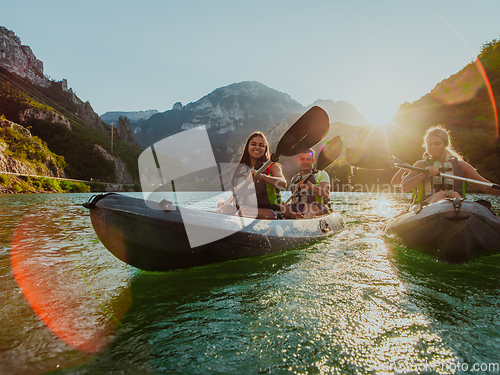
pixel 57 291
pixel 464 86
pixel 486 80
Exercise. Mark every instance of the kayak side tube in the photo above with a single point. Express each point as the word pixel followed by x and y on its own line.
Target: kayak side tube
pixel 154 237
pixel 455 231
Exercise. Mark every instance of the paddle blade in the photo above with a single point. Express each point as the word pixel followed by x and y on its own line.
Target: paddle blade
pixel 365 159
pixel 329 153
pixel 307 131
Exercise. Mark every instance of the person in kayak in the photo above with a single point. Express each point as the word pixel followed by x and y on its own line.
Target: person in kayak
pixel 440 157
pixel 267 185
pixel 310 189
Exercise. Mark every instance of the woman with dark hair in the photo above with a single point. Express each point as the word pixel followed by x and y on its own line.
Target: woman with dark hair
pixel 440 157
pixel 262 202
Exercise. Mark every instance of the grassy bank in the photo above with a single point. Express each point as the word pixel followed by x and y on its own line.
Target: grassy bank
pixel 28 184
pixel 12 184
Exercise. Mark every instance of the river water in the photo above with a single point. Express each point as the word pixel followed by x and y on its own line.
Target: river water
pixel 353 304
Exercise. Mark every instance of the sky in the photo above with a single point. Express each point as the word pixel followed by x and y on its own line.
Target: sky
pixel 140 55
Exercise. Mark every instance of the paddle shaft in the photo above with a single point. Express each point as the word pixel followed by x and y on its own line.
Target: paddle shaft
pixel 446 175
pixel 366 159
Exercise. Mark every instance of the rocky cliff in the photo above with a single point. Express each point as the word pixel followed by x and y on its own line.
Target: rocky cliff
pixel 22 153
pixel 86 113
pixel 20 59
pixel 32 113
pixel 124 130
pixel 121 175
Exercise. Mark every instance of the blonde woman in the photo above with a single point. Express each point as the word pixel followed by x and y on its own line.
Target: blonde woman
pixel 440 157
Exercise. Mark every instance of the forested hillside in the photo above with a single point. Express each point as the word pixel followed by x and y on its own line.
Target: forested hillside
pixel 50 114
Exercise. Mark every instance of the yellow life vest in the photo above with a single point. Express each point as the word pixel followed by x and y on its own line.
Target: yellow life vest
pixel 433 184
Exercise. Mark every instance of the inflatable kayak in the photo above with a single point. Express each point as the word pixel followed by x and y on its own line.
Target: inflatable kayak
pixel 161 236
pixel 453 230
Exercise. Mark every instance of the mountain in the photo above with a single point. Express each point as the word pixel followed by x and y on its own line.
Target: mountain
pixel 342 111
pixel 56 118
pixel 231 113
pixel 134 116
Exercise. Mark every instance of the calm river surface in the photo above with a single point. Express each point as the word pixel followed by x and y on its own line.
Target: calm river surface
pixel 353 304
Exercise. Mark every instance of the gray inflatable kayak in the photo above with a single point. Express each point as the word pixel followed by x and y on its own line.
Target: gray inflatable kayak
pixel 453 230
pixel 161 236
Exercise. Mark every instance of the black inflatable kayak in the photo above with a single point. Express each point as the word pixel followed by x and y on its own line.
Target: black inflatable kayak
pixel 162 236
pixel 453 230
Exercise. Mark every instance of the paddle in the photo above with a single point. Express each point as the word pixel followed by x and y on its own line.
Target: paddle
pixel 365 159
pixel 330 152
pixel 307 131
